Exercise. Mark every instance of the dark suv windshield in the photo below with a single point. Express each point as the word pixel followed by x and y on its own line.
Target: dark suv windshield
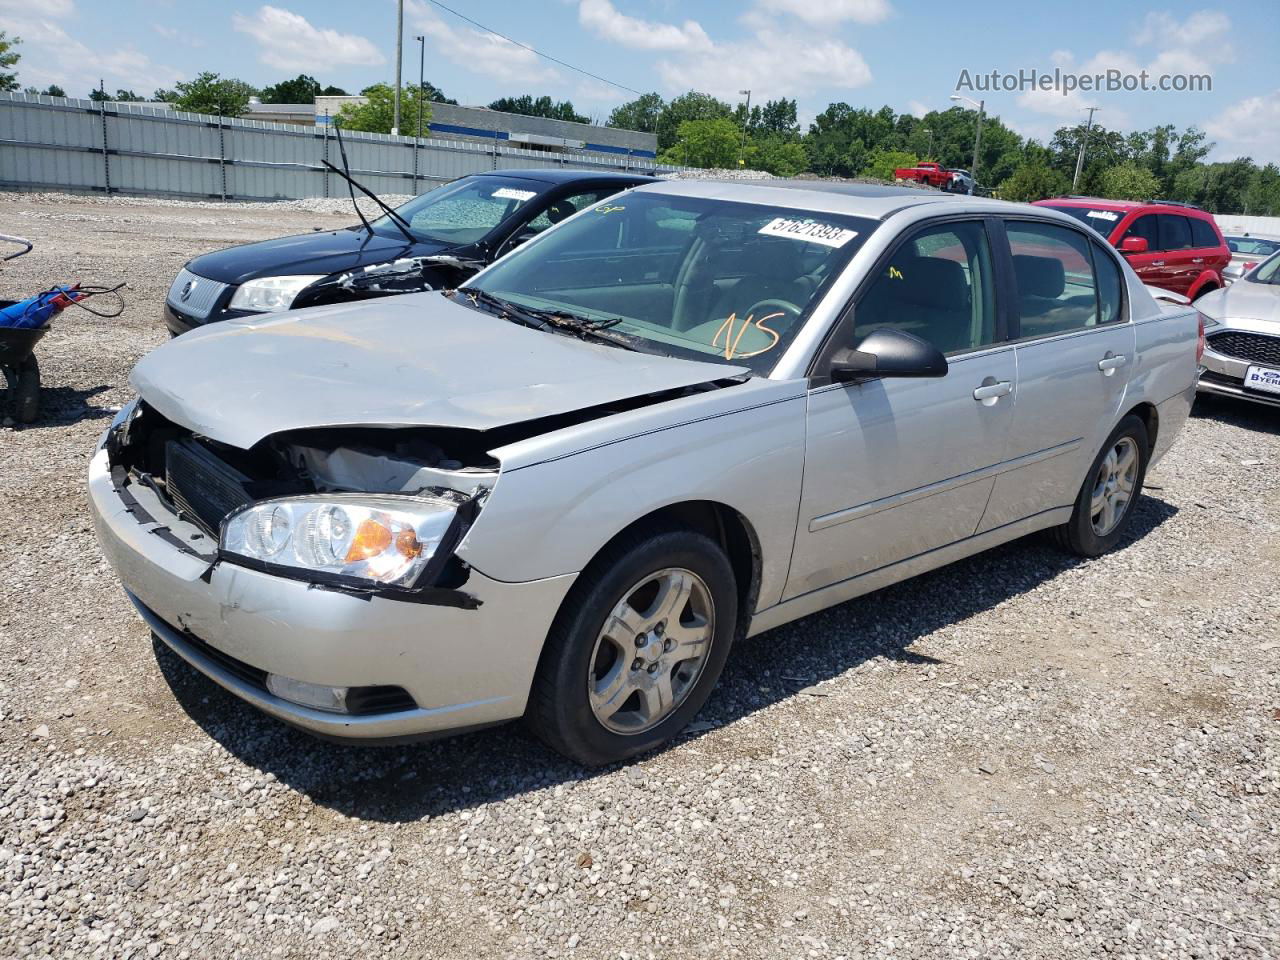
pixel 1104 221
pixel 696 278
pixel 463 211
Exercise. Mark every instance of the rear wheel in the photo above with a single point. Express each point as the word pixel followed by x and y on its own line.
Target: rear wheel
pixel 637 648
pixel 1106 497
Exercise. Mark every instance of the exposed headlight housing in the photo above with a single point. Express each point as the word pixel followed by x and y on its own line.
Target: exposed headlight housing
pixel 271 294
pixel 358 539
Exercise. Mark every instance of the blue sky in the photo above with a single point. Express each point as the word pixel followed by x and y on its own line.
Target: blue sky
pixel 908 55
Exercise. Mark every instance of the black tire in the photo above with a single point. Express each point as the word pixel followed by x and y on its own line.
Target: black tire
pixel 26 392
pixel 1078 534
pixel 559 711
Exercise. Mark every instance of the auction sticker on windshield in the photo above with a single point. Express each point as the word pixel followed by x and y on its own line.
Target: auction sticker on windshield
pixel 1266 379
pixel 825 233
pixel 1103 215
pixel 507 193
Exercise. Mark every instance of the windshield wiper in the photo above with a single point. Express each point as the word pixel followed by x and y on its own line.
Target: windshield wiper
pixel 588 329
pixel 505 309
pixel 345 173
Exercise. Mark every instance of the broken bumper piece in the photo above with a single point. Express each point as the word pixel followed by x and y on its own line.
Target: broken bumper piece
pixel 435 668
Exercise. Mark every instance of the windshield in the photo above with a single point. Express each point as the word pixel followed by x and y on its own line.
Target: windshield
pixel 463 211
pixel 1267 271
pixel 695 278
pixel 1253 246
pixel 1103 221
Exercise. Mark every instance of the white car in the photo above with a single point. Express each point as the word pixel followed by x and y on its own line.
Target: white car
pixel 1242 336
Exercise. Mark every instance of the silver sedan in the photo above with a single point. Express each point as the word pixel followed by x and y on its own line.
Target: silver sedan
pixel 1242 343
pixel 682 417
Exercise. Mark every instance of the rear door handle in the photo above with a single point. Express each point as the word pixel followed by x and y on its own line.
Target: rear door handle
pixel 1110 363
pixel 1157 263
pixel 1197 259
pixel 992 390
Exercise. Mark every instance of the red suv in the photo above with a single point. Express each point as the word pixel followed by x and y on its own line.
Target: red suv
pixel 1172 245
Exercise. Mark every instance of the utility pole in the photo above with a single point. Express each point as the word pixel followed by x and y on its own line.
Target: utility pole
pixel 1083 141
pixel 395 121
pixel 977 134
pixel 929 155
pixel 422 88
pixel 746 118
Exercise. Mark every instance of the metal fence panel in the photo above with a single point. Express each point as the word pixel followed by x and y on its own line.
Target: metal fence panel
pixel 79 145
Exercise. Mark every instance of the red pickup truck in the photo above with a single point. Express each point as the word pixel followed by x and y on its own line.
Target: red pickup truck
pixel 927 172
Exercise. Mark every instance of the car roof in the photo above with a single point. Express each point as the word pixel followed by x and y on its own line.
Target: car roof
pixel 1101 203
pixel 1273 238
pixel 567 175
pixel 876 201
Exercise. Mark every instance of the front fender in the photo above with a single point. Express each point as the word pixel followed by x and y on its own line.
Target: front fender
pixel 573 491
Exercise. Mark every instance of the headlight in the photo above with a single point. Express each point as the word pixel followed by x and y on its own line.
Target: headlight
pixel 269 294
pixel 385 540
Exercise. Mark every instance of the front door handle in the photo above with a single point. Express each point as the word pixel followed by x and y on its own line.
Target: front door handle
pixel 991 390
pixel 1157 263
pixel 1197 259
pixel 1110 363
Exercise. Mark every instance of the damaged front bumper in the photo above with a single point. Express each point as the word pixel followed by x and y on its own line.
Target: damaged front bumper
pixel 459 667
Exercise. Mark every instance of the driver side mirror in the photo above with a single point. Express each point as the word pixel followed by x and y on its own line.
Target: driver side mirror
pixel 1133 245
pixel 888 353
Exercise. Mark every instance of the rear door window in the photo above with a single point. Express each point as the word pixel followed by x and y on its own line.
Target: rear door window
pixel 1110 299
pixel 1053 273
pixel 938 285
pixel 1202 234
pixel 1175 232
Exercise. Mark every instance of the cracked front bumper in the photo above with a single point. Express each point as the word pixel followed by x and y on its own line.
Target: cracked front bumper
pixel 463 668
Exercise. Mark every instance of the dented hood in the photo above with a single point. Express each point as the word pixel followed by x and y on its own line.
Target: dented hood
pixel 413 360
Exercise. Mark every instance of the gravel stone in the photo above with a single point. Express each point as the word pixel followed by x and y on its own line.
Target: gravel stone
pixel 1133 813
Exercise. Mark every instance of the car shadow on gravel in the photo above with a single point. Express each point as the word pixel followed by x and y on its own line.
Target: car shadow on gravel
pixel 418 781
pixel 61 407
pixel 1237 413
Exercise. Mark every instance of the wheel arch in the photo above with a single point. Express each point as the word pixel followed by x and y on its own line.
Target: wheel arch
pixel 722 524
pixel 1207 281
pixel 1150 417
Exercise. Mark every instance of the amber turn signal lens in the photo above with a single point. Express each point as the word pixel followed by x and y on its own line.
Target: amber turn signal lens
pixel 371 539
pixel 408 544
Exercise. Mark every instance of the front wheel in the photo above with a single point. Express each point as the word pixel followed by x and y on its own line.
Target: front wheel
pixel 1106 498
pixel 637 648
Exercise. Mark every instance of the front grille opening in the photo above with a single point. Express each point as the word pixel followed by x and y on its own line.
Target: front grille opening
pixel 1252 347
pixel 361 701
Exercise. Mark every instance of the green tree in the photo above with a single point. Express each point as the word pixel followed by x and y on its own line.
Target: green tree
pixel 705 143
pixel 688 106
pixel 377 115
pixel 540 107
pixel 639 114
pixel 881 163
pixel 778 155
pixel 164 96
pixel 1262 199
pixel 1128 181
pixel 9 57
pixel 1034 180
pixel 1227 184
pixel 778 117
pixel 301 89
pixel 210 93
pixel 53 90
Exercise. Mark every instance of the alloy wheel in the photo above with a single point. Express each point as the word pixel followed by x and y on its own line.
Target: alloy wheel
pixel 1114 485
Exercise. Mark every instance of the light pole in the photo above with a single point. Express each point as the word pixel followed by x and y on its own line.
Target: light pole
pixel 977 135
pixel 929 155
pixel 746 117
pixel 1083 140
pixel 395 120
pixel 422 88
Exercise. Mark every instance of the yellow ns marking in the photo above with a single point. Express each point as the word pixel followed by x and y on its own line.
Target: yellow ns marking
pixel 895 273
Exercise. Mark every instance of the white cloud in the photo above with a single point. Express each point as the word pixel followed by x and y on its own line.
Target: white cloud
pixel 831 11
pixel 478 51
pixel 773 62
pixel 916 108
pixel 605 20
pixel 288 41
pixel 1249 127
pixel 52 55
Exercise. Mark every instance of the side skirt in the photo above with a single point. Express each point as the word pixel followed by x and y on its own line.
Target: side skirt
pixel 873 580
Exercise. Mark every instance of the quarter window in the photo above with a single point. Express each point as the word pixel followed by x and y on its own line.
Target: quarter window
pixel 937 286
pixel 1053 271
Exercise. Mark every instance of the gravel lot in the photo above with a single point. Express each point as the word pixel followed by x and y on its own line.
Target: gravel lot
pixel 1019 755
